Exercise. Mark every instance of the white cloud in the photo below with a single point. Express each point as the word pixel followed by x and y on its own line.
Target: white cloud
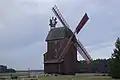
pixel 19 32
pixel 102 53
pixel 30 56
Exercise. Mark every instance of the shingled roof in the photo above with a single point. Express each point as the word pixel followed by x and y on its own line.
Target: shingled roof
pixel 59 33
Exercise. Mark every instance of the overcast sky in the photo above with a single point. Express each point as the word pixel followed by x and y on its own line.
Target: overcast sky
pixel 24 27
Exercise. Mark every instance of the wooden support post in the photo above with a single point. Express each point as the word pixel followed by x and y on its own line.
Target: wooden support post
pixel 66 47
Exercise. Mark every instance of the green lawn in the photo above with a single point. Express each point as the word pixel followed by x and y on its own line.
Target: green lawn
pixel 76 78
pixel 40 76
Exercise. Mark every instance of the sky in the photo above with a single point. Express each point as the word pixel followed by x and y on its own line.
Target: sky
pixel 24 25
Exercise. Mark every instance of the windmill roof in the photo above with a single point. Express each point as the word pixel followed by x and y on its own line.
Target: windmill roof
pixel 59 33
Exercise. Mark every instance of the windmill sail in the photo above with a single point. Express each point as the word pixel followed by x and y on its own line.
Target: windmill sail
pixel 83 52
pixel 59 16
pixel 78 44
pixel 82 23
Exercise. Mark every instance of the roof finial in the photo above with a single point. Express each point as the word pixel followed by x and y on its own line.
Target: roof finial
pixel 53 22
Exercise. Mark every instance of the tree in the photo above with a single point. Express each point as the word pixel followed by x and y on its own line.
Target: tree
pixel 115 61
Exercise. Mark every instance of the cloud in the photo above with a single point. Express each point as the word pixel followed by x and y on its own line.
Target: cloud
pixel 100 45
pixel 101 50
pixel 19 32
pixel 19 28
pixel 30 56
pixel 102 53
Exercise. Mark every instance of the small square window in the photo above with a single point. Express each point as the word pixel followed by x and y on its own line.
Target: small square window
pixel 56 50
pixel 56 42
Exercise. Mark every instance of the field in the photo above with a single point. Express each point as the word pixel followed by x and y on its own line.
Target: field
pixel 76 78
pixel 40 76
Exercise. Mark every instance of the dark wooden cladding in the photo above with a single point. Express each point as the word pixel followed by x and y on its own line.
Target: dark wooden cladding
pixel 68 65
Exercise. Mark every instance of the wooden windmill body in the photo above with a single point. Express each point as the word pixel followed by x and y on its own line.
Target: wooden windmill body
pixel 62 47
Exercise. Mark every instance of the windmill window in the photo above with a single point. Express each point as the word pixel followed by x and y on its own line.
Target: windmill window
pixel 56 52
pixel 56 42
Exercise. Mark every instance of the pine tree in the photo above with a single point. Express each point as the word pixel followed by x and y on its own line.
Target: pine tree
pixel 115 61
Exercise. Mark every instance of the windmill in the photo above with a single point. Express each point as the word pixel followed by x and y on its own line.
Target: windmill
pixel 83 52
pixel 69 45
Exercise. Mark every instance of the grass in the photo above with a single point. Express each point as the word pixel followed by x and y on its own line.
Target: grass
pixel 60 77
pixel 76 78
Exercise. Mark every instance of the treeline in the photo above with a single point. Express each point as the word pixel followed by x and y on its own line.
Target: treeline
pixel 4 69
pixel 96 66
